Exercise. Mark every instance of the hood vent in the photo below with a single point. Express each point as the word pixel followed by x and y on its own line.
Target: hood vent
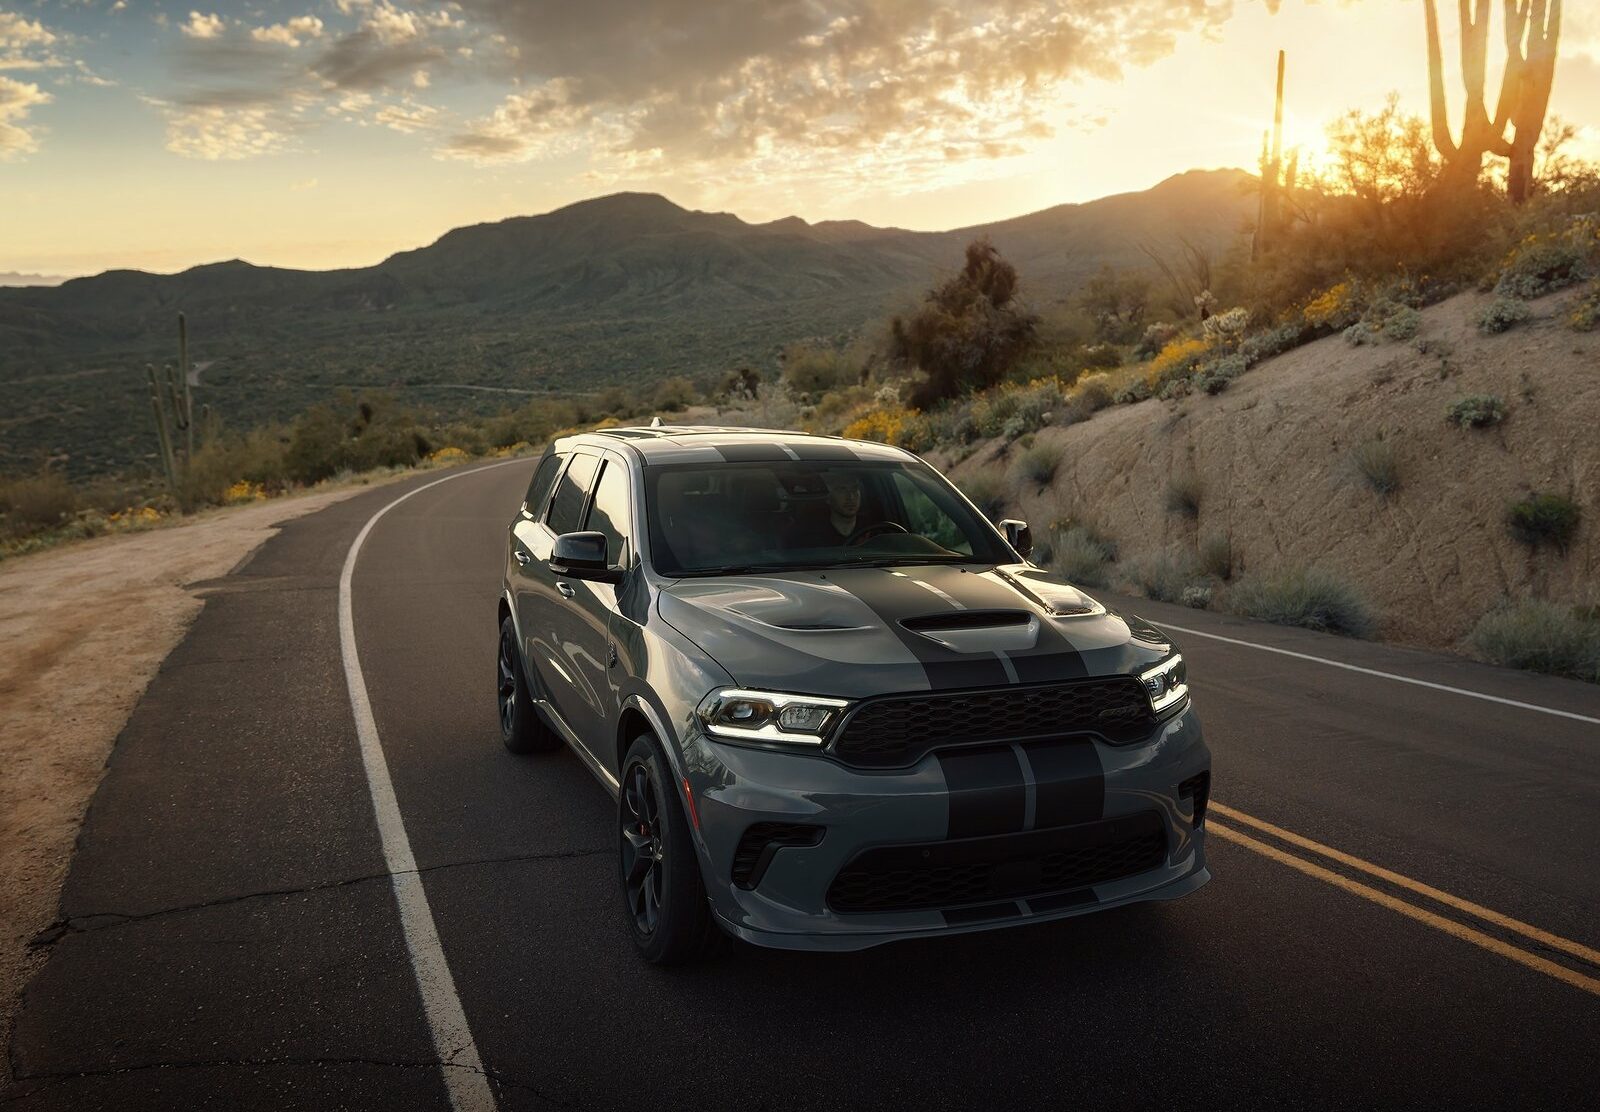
pixel 966 619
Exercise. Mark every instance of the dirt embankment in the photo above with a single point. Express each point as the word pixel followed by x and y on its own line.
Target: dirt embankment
pixel 84 628
pixel 1273 458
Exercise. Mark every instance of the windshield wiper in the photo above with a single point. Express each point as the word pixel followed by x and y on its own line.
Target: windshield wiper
pixel 745 569
pixel 906 561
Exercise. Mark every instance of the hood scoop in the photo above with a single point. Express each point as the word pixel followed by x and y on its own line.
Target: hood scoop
pixel 977 631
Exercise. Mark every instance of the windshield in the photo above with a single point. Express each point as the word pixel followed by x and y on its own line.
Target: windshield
pixel 730 518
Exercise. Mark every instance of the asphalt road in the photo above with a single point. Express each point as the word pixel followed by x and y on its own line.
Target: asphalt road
pixel 230 938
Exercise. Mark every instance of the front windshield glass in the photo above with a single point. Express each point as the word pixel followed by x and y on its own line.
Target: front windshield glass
pixel 728 518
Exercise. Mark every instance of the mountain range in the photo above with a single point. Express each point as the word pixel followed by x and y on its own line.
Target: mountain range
pixel 625 288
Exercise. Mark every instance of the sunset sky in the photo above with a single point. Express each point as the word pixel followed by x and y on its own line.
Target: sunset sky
pixel 323 133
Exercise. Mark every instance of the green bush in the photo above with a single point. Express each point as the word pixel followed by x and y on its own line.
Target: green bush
pixel 1541 519
pixel 1161 577
pixel 1273 341
pixel 1477 411
pixel 985 491
pixel 811 370
pixel 1376 462
pixel 1402 324
pixel 1214 377
pixel 1583 311
pixel 1544 263
pixel 1308 597
pixel 1540 637
pixel 1081 556
pixel 1184 492
pixel 38 501
pixel 1216 556
pixel 1038 464
pixel 1503 313
pixel 1360 333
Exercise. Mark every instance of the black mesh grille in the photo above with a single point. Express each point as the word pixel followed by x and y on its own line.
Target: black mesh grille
pixel 886 733
pixel 936 875
pixel 1198 788
pixel 760 841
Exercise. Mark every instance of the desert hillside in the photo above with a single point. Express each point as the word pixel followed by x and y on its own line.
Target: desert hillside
pixel 1272 461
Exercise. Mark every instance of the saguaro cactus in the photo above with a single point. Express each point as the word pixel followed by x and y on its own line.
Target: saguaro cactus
pixel 171 391
pixel 1269 214
pixel 1538 24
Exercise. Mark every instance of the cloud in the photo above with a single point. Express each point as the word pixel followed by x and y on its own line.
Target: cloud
pixel 27 44
pixel 290 33
pixel 17 99
pixel 203 26
pixel 863 81
pixel 224 134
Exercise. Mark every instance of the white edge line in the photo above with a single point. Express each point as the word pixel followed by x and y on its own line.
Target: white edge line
pixel 464 1079
pixel 1385 675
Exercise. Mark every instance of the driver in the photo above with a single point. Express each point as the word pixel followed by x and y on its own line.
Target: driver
pixel 835 521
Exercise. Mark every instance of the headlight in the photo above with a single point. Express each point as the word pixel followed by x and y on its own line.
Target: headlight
pixel 732 712
pixel 1167 684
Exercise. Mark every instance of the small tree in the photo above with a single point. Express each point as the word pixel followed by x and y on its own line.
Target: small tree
pixel 1117 304
pixel 968 333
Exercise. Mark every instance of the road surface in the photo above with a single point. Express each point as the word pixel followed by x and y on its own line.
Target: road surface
pixel 1403 911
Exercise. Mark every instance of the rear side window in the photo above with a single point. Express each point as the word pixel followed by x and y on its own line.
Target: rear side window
pixel 543 479
pixel 609 514
pixel 566 511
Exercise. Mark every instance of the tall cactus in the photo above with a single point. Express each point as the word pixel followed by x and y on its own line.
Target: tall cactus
pixel 1269 214
pixel 1538 23
pixel 172 403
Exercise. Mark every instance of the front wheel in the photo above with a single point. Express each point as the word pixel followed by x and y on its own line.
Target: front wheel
pixel 521 728
pixel 665 897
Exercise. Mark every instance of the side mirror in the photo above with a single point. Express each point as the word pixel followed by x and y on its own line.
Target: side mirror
pixel 1018 536
pixel 583 556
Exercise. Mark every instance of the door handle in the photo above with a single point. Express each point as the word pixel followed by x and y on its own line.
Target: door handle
pixel 565 588
pixel 522 557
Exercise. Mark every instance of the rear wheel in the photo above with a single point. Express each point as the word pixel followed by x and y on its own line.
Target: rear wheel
pixel 521 728
pixel 664 894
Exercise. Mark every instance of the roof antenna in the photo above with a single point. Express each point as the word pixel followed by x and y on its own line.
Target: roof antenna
pixel 655 422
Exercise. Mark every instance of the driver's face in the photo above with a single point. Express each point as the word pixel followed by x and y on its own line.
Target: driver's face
pixel 844 496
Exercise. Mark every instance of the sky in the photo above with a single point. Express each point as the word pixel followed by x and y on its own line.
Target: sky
pixel 332 133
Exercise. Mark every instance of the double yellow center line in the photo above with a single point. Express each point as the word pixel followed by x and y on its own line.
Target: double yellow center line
pixel 1519 954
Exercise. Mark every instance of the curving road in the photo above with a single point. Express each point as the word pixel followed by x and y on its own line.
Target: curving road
pixel 1404 909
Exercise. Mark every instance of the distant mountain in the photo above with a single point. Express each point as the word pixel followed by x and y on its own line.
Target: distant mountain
pixel 629 287
pixel 13 278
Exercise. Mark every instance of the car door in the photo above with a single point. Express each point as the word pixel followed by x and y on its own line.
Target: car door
pixel 588 637
pixel 541 599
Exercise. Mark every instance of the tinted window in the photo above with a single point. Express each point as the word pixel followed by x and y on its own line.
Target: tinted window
pixel 543 479
pixel 609 514
pixel 566 511
pixel 710 518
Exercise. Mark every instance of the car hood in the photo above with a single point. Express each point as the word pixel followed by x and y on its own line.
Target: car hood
pixel 856 632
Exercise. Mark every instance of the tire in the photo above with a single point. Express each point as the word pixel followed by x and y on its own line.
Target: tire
pixel 663 893
pixel 521 728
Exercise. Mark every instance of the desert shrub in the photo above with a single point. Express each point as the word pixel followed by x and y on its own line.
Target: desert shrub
pixel 1175 361
pixel 985 490
pixel 1542 519
pixel 1541 637
pixel 969 332
pixel 672 393
pixel 1136 389
pixel 1272 341
pixel 1545 262
pixel 1092 393
pixel 353 434
pixel 1309 597
pixel 1160 577
pixel 1038 464
pixel 1197 595
pixel 1402 324
pixel 38 501
pixel 811 370
pixel 1377 462
pixel 1184 491
pixel 1226 330
pixel 1360 333
pixel 1214 377
pixel 1081 556
pixel 1503 313
pixel 1583 311
pixel 1215 556
pixel 1477 411
pixel 1156 337
pixel 883 425
pixel 1335 308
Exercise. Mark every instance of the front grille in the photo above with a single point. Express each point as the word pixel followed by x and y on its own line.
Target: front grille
pixel 1197 788
pixel 938 875
pixel 887 733
pixel 761 841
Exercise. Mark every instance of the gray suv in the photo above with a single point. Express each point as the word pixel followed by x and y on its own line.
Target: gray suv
pixel 837 707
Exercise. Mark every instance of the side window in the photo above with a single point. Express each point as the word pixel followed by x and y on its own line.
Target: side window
pixel 609 513
pixel 924 516
pixel 566 510
pixel 543 479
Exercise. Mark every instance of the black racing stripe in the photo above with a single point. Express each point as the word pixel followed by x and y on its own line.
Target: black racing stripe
pixel 958 915
pixel 892 597
pixel 1070 784
pixel 829 452
pixel 1052 657
pixel 754 452
pixel 986 792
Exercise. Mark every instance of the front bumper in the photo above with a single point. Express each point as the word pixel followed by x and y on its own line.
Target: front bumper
pixel 1136 787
